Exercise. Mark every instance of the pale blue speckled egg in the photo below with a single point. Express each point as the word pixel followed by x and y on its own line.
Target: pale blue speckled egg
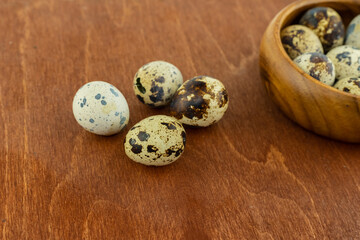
pixel 100 108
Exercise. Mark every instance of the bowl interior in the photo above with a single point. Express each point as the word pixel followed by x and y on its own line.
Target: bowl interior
pixel 315 106
pixel 347 9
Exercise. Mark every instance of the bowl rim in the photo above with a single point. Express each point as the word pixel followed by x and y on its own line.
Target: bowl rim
pixel 280 19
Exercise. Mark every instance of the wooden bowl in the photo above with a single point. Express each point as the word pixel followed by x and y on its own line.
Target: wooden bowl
pixel 315 106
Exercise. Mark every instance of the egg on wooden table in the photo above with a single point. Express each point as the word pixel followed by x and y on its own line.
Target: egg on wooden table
pixel 327 24
pixel 155 141
pixel 346 60
pixel 156 82
pixel 100 108
pixel 298 39
pixel 201 101
pixel 318 66
pixel 350 85
pixel 353 33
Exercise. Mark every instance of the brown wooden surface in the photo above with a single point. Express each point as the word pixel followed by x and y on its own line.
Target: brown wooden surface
pixel 254 175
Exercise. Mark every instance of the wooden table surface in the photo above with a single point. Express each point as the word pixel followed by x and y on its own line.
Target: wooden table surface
pixel 254 175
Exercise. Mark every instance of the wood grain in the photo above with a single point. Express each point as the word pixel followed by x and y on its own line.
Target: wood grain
pixel 254 175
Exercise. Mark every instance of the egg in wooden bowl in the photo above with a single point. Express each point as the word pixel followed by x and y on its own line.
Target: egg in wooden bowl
pixel 312 104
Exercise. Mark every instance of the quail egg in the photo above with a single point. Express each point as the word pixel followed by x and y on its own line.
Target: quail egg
pixel 318 66
pixel 297 39
pixel 155 83
pixel 353 33
pixel 201 101
pixel 157 140
pixel 100 108
pixel 327 25
pixel 349 84
pixel 346 60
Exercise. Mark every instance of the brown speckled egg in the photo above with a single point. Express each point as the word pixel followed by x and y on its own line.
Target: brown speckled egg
pixel 327 25
pixel 155 141
pixel 346 60
pixel 297 39
pixel 156 82
pixel 350 85
pixel 318 66
pixel 200 101
pixel 353 33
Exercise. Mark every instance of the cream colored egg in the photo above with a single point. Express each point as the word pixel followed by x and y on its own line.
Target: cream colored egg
pixel 100 108
pixel 155 83
pixel 350 85
pixel 201 101
pixel 298 39
pixel 346 60
pixel 155 141
pixel 327 25
pixel 318 66
pixel 353 33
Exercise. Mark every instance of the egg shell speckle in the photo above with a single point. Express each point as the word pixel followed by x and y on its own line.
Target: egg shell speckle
pixel 155 83
pixel 155 141
pixel 327 24
pixel 298 39
pixel 100 108
pixel 318 66
pixel 353 33
pixel 201 101
pixel 350 85
pixel 346 60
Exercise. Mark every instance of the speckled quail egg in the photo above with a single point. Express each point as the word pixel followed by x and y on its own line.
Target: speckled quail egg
pixel 297 39
pixel 156 141
pixel 201 101
pixel 353 33
pixel 100 108
pixel 155 83
pixel 350 85
pixel 318 66
pixel 346 60
pixel 327 24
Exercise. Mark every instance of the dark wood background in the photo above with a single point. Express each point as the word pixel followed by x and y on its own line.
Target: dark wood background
pixel 254 175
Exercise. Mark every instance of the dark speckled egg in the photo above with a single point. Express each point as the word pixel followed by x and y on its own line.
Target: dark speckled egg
pixel 346 60
pixel 200 101
pixel 155 141
pixel 298 39
pixel 318 66
pixel 353 33
pixel 156 82
pixel 327 25
pixel 350 85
